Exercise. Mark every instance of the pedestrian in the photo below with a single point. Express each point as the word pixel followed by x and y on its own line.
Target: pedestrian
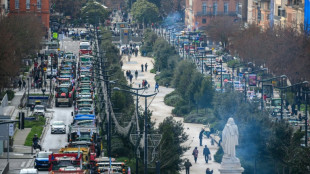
pixel 208 171
pixel 145 67
pixel 136 74
pixel 195 154
pixel 206 153
pixel 121 63
pixel 187 165
pixel 141 67
pixel 130 77
pixel 20 84
pixel 24 84
pixel 156 87
pixel 143 83
pixel 201 136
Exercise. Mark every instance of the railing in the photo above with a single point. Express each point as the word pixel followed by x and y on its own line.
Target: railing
pixel 218 13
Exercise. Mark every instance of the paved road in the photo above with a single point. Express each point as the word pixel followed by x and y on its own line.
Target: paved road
pixel 54 142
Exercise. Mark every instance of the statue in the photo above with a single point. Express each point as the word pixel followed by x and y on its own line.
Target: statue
pixel 230 163
pixel 230 139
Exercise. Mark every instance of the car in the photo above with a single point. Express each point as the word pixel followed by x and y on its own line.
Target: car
pixel 58 127
pixel 41 160
pixel 39 110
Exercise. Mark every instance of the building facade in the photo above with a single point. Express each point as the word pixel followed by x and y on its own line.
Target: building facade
pixel 39 8
pixel 198 13
pixel 284 13
pixel 3 7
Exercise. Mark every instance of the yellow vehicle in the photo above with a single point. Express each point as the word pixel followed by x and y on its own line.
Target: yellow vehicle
pixel 84 150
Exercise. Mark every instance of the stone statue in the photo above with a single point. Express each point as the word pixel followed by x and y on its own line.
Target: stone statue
pixel 230 139
pixel 230 163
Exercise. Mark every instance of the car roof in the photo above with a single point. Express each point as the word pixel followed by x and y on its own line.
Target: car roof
pixel 29 170
pixel 58 122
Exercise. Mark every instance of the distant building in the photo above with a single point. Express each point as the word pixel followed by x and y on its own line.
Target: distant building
pixel 115 4
pixel 38 7
pixel 267 13
pixel 198 13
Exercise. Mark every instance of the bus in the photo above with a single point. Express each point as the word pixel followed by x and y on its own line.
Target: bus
pixel 85 48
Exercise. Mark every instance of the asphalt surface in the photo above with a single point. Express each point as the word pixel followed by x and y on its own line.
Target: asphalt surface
pixel 53 142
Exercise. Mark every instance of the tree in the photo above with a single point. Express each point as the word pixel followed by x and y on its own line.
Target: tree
pixel 162 53
pixel 94 13
pixel 20 37
pixel 221 29
pixel 145 12
pixel 170 147
pixel 69 7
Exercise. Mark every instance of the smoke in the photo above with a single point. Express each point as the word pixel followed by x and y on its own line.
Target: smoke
pixel 172 19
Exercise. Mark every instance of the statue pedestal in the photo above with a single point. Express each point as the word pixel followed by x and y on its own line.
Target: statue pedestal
pixel 231 165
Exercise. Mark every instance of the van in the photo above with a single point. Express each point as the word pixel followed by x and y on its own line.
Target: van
pixel 28 171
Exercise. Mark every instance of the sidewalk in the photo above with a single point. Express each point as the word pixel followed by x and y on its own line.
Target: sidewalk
pixel 19 140
pixel 161 111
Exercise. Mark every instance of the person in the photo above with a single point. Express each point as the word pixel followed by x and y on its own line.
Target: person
pixel 145 67
pixel 201 136
pixel 141 67
pixel 208 171
pixel 136 74
pixel 20 84
pixel 230 138
pixel 35 141
pixel 187 165
pixel 206 153
pixel 195 154
pixel 156 87
pixel 130 77
pixel 24 84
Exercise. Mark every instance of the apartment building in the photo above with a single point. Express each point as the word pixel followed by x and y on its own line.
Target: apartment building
pixel 198 13
pixel 39 8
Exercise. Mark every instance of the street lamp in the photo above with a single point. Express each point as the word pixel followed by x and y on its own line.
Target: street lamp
pixel 281 90
pixel 265 80
pixel 145 122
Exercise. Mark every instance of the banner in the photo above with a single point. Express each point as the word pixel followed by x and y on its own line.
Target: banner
pixel 252 79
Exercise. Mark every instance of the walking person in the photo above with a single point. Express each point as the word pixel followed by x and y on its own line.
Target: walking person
pixel 24 84
pixel 20 84
pixel 195 154
pixel 136 74
pixel 208 171
pixel 187 165
pixel 156 87
pixel 145 67
pixel 141 67
pixel 206 153
pixel 130 77
pixel 201 136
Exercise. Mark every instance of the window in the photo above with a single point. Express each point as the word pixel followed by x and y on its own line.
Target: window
pixel 237 8
pixel 38 4
pixel 214 8
pixel 204 8
pixel 28 4
pixel 204 21
pixel 16 4
pixel 226 8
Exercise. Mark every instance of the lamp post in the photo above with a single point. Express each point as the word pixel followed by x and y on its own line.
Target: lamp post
pixel 265 80
pixel 28 93
pixel 145 123
pixel 281 93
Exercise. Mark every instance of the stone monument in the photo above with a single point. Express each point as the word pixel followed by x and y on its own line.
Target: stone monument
pixel 230 163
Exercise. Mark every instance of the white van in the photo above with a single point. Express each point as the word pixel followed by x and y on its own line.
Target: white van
pixel 28 171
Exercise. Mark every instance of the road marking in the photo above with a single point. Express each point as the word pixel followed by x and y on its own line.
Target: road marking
pixel 28 164
pixel 23 164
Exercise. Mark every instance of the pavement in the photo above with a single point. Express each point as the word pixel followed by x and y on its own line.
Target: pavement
pixel 160 111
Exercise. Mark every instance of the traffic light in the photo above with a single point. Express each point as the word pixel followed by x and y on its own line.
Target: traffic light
pixel 21 120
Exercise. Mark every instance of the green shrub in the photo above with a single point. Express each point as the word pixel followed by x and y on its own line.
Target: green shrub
pixel 181 110
pixel 218 155
pixel 232 63
pixel 172 99
pixel 34 130
pixel 153 71
pixel 11 94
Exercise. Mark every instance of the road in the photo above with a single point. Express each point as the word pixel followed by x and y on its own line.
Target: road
pixel 54 142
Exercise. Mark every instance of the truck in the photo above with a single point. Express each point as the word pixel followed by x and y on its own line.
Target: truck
pixel 64 95
pixel 66 163
pixel 88 156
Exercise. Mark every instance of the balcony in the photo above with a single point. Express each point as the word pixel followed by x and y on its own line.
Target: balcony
pixel 219 13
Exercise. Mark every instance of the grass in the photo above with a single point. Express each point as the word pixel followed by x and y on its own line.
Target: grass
pixel 36 128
